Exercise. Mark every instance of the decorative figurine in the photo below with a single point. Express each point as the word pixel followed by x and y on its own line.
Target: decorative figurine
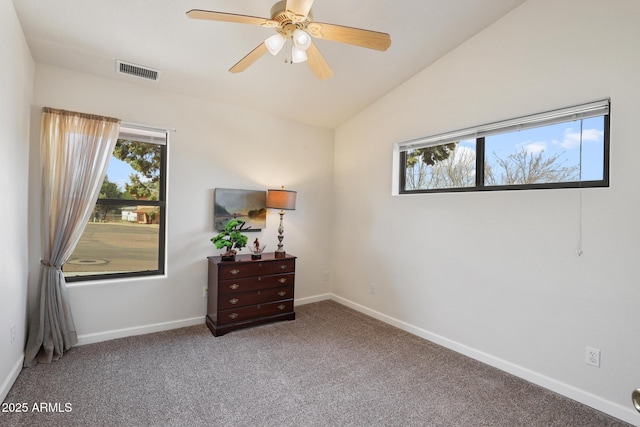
pixel 256 249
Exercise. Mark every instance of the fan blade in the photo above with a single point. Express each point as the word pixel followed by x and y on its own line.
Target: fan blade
pixel 317 63
pixel 354 36
pixel 231 17
pixel 299 7
pixel 249 59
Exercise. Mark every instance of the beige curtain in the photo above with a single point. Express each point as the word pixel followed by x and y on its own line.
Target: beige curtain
pixel 75 149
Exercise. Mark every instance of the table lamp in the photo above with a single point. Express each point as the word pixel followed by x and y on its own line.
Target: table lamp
pixel 284 200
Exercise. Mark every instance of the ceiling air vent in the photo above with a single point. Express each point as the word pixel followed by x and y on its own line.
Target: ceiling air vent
pixel 137 71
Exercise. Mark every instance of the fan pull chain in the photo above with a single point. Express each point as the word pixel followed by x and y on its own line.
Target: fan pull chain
pixel 289 58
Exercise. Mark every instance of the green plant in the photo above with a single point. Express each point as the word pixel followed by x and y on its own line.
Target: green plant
pixel 232 237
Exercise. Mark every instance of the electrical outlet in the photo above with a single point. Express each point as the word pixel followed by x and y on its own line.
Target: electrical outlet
pixel 372 288
pixel 593 357
pixel 13 333
pixel 205 292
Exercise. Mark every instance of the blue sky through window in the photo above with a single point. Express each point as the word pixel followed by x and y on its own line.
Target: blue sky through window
pixel 119 172
pixel 585 150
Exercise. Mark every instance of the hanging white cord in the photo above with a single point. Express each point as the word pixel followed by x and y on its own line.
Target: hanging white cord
pixel 579 246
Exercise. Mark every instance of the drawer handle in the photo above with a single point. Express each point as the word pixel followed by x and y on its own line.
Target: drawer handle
pixel 282 280
pixel 233 315
pixel 282 293
pixel 282 307
pixel 283 266
pixel 233 300
pixel 235 271
pixel 234 286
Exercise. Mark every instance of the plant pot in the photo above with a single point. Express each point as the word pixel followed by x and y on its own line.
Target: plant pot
pixel 228 256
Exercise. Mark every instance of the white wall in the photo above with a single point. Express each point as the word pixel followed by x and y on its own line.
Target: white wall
pixel 495 275
pixel 214 146
pixel 16 85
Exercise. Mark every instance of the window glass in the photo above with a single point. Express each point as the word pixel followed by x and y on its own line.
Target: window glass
pixel 118 239
pixel 563 148
pixel 125 235
pixel 451 165
pixel 134 171
pixel 559 153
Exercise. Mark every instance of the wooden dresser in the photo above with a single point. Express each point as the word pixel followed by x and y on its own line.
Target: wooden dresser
pixel 248 292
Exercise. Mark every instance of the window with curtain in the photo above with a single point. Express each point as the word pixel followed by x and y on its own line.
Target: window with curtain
pixel 566 148
pixel 125 236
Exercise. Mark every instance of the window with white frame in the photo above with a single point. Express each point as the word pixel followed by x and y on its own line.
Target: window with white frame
pixel 564 148
pixel 125 236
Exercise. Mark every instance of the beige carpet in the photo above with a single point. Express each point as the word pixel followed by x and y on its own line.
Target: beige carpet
pixel 331 366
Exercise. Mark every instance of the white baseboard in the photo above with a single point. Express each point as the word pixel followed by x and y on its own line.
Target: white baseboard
pixel 579 395
pixel 138 330
pixel 165 326
pixel 11 378
pixel 309 300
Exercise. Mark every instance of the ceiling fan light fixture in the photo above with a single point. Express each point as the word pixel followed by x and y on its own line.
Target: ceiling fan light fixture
pixel 298 55
pixel 301 39
pixel 275 43
pixel 293 21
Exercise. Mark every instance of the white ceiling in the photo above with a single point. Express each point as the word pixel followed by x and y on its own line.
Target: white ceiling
pixel 193 56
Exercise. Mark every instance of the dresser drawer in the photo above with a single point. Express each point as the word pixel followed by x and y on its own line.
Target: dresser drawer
pixel 248 292
pixel 255 297
pixel 255 268
pixel 248 313
pixel 226 287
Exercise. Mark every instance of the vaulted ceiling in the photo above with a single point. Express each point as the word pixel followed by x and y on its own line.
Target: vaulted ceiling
pixel 194 56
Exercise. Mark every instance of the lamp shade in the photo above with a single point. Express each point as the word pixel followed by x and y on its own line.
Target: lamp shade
pixel 301 39
pixel 281 199
pixel 275 43
pixel 298 55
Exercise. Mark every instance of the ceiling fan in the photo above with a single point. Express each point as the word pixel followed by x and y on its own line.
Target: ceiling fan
pixel 293 22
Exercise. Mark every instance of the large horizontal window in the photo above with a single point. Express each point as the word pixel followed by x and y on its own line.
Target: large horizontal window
pixel 564 148
pixel 125 235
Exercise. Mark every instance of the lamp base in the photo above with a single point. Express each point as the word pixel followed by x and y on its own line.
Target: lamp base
pixel 280 254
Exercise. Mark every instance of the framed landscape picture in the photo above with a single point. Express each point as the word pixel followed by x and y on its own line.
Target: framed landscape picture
pixel 247 205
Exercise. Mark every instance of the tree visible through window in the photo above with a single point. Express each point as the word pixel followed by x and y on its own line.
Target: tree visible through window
pixel 449 165
pixel 125 236
pixel 554 154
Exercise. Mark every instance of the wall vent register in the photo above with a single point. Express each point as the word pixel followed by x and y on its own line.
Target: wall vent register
pixel 137 71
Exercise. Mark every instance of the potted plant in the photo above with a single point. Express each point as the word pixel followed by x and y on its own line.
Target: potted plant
pixel 231 239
